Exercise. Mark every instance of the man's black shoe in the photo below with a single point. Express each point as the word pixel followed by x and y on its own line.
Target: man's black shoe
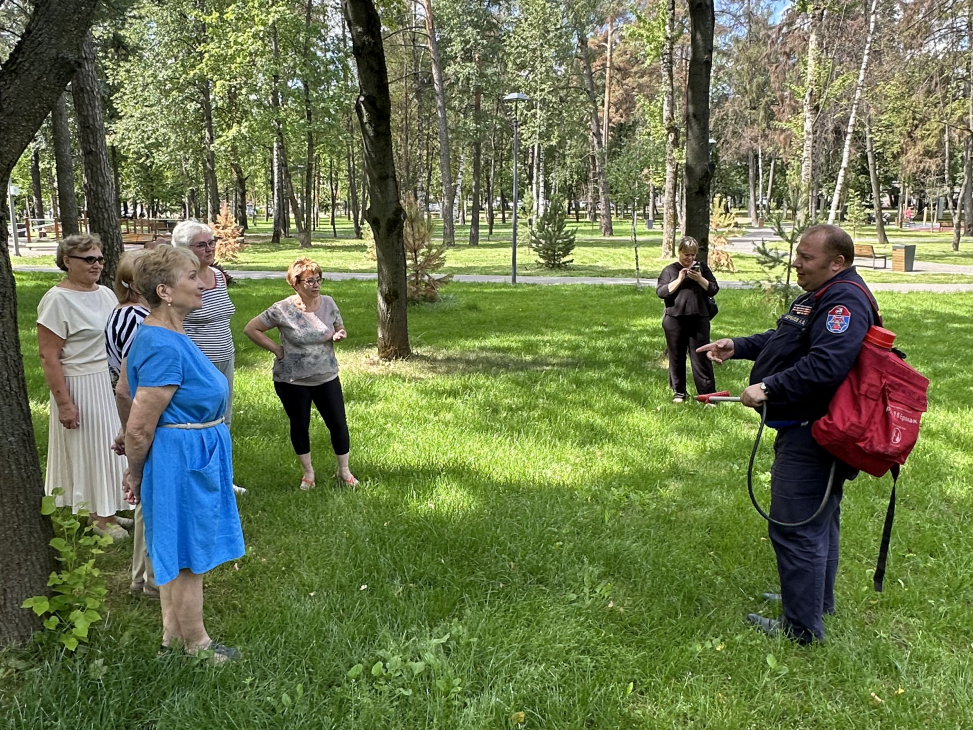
pixel 772 597
pixel 770 626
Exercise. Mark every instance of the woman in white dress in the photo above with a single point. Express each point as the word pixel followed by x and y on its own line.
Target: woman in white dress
pixel 71 319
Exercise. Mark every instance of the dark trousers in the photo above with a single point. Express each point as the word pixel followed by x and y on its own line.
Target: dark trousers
pixel 807 556
pixel 330 403
pixel 682 334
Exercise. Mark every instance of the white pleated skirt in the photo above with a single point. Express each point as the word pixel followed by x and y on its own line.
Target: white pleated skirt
pixel 80 460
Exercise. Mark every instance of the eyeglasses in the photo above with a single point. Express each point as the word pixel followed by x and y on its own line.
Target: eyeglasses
pixel 311 281
pixel 89 259
pixel 204 245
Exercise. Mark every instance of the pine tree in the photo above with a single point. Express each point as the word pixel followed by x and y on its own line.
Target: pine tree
pixel 550 239
pixel 228 235
pixel 422 257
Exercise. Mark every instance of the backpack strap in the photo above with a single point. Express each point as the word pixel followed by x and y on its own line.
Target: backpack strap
pixel 883 551
pixel 871 299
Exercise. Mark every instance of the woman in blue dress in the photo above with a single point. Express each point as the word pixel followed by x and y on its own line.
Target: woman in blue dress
pixel 180 462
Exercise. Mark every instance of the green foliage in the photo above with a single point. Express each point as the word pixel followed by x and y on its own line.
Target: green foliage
pixel 79 590
pixel 856 215
pixel 722 223
pixel 550 239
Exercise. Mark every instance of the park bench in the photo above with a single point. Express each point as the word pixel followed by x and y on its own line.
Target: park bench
pixel 142 231
pixel 864 250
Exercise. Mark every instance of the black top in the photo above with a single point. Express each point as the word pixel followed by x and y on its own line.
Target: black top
pixel 690 297
pixel 810 352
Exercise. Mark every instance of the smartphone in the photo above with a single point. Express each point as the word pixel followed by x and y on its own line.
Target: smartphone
pixel 695 266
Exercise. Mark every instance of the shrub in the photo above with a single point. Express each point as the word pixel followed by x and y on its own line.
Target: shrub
pixel 550 239
pixel 423 258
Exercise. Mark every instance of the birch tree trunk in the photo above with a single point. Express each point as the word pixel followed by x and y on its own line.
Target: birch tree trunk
pixel 446 209
pixel 839 188
pixel 810 109
pixel 752 186
pixel 672 134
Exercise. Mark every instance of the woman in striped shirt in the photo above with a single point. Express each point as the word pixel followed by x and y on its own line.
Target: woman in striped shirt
pixel 209 327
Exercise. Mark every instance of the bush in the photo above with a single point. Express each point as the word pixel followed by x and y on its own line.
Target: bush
pixel 550 239
pixel 422 257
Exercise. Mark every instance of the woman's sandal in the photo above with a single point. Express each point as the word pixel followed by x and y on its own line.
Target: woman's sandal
pixel 342 482
pixel 306 484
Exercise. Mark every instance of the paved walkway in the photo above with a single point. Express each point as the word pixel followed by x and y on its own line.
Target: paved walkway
pixel 548 280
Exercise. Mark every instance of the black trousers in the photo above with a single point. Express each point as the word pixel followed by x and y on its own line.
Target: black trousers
pixel 330 403
pixel 686 334
pixel 807 556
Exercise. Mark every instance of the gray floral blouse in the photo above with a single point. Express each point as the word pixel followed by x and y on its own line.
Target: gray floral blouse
pixel 306 339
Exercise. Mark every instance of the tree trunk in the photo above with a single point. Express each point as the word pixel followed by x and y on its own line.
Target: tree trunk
pixel 601 159
pixel 32 78
pixel 209 154
pixel 606 115
pixel 98 187
pixel 876 190
pixel 461 198
pixel 699 171
pixel 839 188
pixel 592 187
pixel 385 214
pixel 353 188
pixel 752 187
pixel 810 108
pixel 240 187
pixel 449 233
pixel 309 134
pixel 477 163
pixel 35 183
pixel 279 152
pixel 770 182
pixel 333 190
pixel 672 133
pixel 67 203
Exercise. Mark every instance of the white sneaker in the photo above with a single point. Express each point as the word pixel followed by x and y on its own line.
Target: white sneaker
pixel 238 490
pixel 116 532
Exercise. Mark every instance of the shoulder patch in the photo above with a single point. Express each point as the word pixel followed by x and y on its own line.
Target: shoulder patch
pixel 839 318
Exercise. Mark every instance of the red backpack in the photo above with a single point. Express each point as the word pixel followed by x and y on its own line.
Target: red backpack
pixel 872 423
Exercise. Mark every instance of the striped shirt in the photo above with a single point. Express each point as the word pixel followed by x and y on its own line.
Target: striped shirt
pixel 119 333
pixel 209 327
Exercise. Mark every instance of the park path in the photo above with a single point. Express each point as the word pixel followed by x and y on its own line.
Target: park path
pixel 552 280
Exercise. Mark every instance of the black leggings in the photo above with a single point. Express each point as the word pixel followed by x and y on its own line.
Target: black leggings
pixel 327 397
pixel 684 334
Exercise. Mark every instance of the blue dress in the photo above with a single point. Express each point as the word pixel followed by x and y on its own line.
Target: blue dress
pixel 190 512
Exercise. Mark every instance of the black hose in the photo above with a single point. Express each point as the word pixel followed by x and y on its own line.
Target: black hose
pixel 753 498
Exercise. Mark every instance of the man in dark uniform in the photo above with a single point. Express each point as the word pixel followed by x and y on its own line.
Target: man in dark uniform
pixel 797 368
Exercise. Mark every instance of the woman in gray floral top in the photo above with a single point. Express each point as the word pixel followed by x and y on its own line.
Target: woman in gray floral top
pixel 305 367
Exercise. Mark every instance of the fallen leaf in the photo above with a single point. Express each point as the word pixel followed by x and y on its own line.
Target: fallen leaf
pixel 364 586
pixel 518 718
pixel 876 700
pixel 899 691
pixel 721 647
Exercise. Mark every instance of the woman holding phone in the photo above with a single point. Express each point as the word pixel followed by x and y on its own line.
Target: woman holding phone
pixel 686 286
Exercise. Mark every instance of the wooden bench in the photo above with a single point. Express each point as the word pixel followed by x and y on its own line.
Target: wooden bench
pixel 864 250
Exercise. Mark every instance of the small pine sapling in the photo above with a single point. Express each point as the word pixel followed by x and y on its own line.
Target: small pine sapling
pixel 856 215
pixel 228 235
pixel 423 258
pixel 550 239
pixel 722 226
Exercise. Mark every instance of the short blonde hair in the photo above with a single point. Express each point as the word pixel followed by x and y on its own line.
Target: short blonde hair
pixel 161 266
pixel 300 267
pixel 688 243
pixel 123 285
pixel 78 243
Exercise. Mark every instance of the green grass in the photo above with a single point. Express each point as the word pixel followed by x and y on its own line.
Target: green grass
pixel 542 528
pixel 594 256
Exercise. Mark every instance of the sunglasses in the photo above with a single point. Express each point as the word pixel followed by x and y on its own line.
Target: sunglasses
pixel 89 259
pixel 204 245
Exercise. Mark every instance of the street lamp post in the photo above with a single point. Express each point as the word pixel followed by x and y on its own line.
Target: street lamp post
pixel 12 192
pixel 515 99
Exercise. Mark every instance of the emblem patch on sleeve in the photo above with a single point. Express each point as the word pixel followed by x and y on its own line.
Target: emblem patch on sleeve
pixel 839 318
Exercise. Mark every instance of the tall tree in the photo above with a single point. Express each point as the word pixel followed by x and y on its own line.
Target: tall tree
pixel 672 131
pixel 601 153
pixel 64 162
pixel 699 172
pixel 98 186
pixel 384 213
pixel 839 187
pixel 816 14
pixel 449 232
pixel 31 78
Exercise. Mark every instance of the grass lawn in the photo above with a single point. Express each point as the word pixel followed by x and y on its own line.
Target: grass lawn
pixel 539 531
pixel 594 255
